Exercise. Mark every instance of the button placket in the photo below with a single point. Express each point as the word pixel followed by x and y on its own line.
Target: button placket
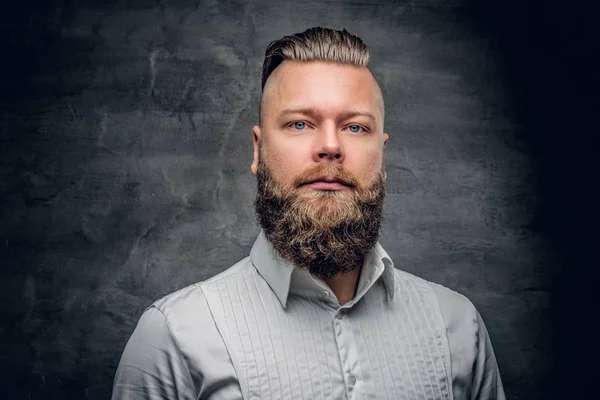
pixel 343 347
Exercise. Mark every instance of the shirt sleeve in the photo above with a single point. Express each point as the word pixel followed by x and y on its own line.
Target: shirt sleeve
pixel 152 366
pixel 487 383
pixel 473 368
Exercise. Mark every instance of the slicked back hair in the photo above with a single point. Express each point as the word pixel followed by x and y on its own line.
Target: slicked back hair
pixel 315 44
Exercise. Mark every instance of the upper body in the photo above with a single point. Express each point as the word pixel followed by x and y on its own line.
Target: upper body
pixel 317 311
pixel 265 330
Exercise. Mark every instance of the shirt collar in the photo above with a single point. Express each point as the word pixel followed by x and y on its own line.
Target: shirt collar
pixel 284 278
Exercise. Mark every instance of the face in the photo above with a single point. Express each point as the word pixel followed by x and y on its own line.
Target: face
pixel 321 114
pixel 319 164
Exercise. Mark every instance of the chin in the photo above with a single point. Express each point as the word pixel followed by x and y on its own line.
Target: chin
pixel 327 207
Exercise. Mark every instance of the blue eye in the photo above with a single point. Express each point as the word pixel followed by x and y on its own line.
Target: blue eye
pixel 299 125
pixel 355 128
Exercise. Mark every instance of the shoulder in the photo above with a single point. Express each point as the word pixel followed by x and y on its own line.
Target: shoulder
pixel 178 319
pixel 189 303
pixel 177 341
pixel 456 309
pixel 455 306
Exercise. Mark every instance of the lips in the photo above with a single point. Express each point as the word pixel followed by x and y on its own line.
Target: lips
pixel 327 183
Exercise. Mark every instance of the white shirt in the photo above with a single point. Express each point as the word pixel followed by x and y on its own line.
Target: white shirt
pixel 263 329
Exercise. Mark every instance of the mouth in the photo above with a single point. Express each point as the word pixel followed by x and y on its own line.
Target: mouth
pixel 327 183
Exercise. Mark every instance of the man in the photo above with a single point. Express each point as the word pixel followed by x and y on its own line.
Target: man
pixel 317 311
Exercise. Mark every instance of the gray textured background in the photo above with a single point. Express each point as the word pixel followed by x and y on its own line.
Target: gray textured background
pixel 125 150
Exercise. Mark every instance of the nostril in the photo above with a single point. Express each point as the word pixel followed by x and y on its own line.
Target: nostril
pixel 330 155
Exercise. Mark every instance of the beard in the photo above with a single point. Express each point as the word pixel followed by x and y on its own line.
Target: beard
pixel 324 232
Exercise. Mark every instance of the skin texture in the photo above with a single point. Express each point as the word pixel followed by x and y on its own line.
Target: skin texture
pixel 311 116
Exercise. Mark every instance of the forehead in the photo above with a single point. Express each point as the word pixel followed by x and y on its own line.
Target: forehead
pixel 326 86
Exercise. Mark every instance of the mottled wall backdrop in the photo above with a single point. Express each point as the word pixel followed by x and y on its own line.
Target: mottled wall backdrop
pixel 125 150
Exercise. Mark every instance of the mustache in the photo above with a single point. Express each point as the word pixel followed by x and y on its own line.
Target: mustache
pixel 336 171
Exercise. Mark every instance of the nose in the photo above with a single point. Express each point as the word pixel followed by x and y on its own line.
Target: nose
pixel 328 145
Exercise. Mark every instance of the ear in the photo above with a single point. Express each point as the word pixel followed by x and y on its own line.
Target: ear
pixel 256 132
pixel 385 140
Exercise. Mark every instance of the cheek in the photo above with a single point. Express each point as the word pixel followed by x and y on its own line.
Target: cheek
pixel 284 164
pixel 367 165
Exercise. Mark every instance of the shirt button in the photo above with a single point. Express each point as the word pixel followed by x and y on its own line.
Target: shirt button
pixel 325 294
pixel 340 315
pixel 352 379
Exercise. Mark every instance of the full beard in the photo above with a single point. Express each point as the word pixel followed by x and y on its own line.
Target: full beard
pixel 324 232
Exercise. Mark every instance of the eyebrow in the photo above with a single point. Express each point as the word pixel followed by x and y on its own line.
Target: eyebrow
pixel 314 112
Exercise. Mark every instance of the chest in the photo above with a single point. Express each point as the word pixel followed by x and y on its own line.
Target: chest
pixel 307 350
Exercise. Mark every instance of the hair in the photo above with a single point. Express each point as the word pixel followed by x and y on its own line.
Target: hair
pixel 315 44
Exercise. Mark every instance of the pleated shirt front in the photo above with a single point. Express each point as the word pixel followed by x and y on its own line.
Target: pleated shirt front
pixel 266 330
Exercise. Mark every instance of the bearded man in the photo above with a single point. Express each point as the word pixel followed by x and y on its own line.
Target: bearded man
pixel 317 310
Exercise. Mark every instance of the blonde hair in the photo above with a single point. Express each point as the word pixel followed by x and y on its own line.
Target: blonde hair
pixel 315 44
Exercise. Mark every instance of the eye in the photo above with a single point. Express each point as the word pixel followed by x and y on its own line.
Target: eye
pixel 355 128
pixel 299 125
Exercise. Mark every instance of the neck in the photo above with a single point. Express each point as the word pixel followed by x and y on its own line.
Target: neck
pixel 344 285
